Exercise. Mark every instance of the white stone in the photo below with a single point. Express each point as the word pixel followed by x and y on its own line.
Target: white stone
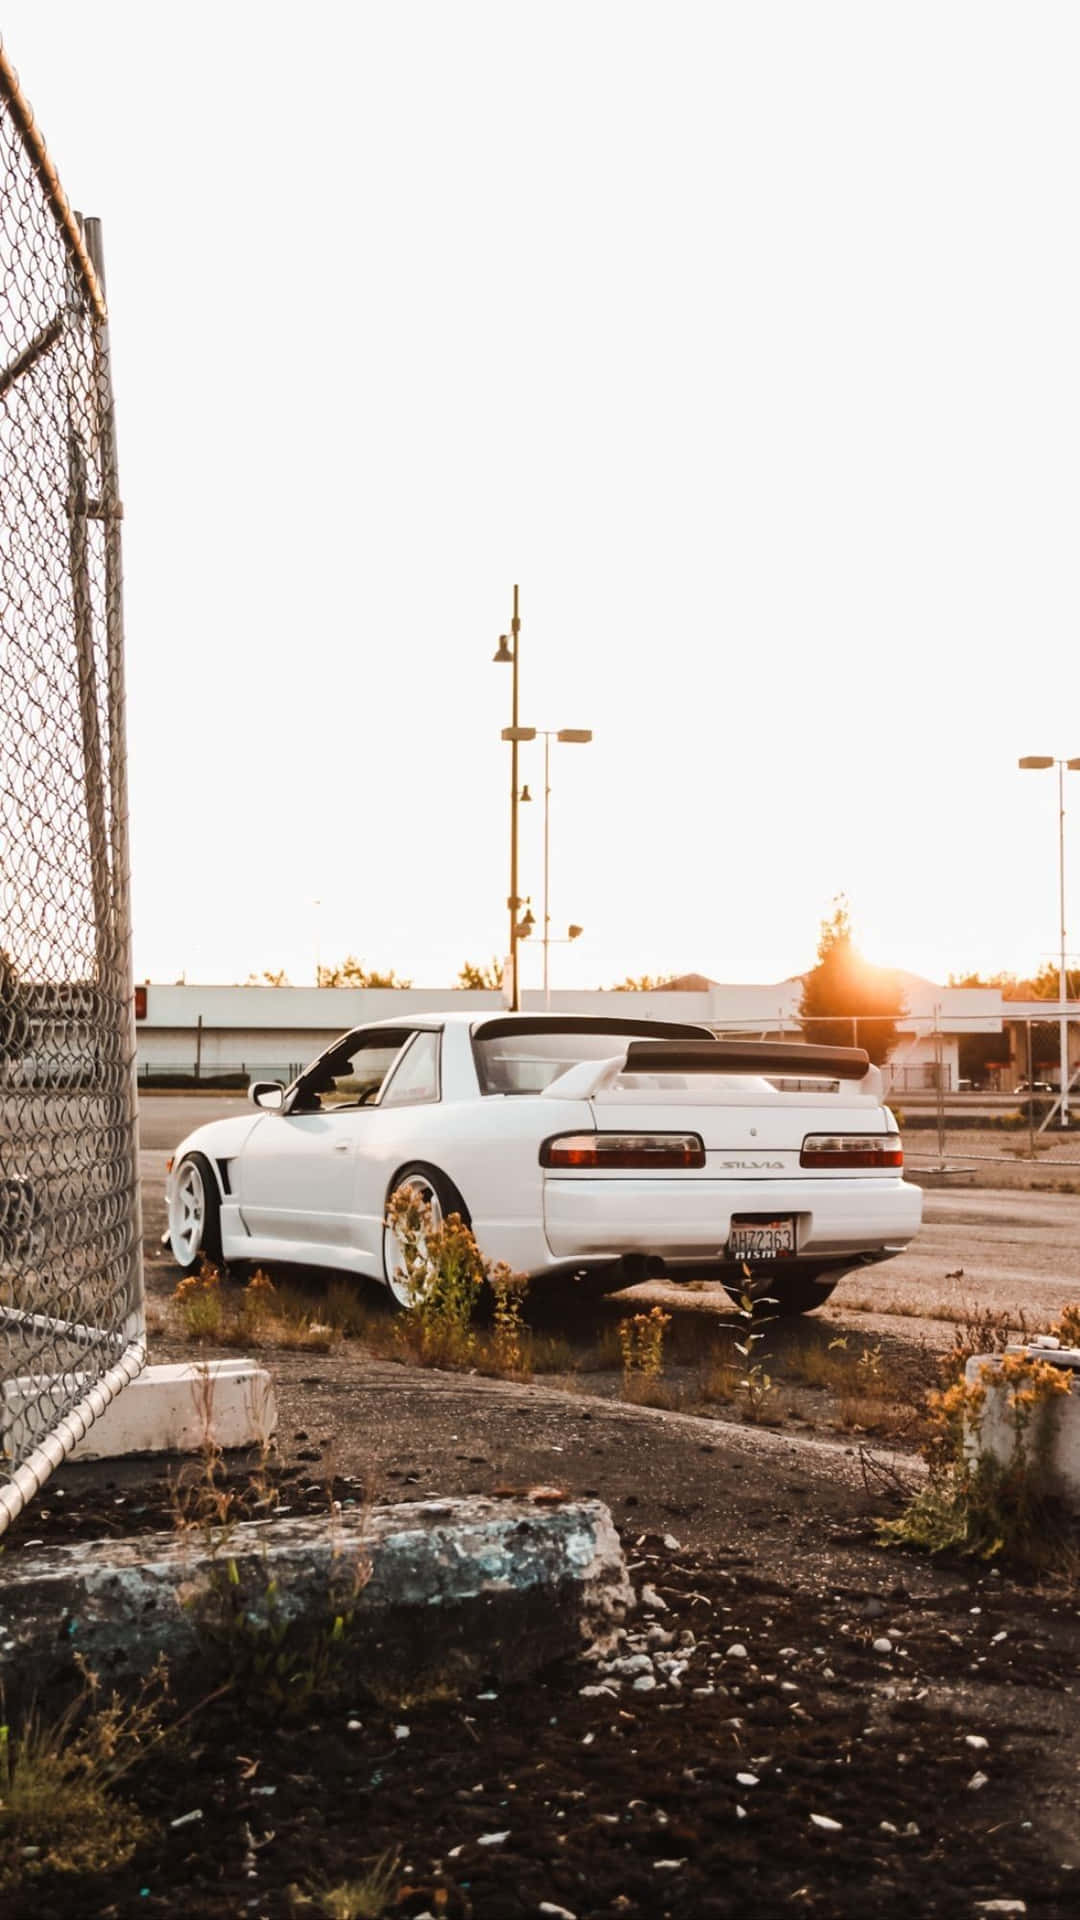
pixel 644 1683
pixel 993 1431
pixel 651 1599
pixel 1001 1906
pixel 976 1742
pixel 493 1839
pixel 824 1824
pixel 737 1651
pixel 668 1866
pixel 747 1779
pixel 883 1645
pixel 553 1912
pixel 977 1782
pixel 168 1408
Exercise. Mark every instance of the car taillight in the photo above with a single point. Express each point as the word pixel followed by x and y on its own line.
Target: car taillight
pixel 617 1150
pixel 852 1150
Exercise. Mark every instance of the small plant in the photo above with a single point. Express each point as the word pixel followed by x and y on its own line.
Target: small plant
pixel 641 1343
pixel 198 1297
pixel 370 1897
pixel 257 1315
pixel 1067 1328
pixel 58 1806
pixel 720 1377
pixel 972 1502
pixel 979 1330
pixel 447 1276
pixel 756 1383
pixel 445 1273
pixel 278 1654
pixel 509 1335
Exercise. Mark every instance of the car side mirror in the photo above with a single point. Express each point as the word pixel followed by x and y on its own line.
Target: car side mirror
pixel 267 1093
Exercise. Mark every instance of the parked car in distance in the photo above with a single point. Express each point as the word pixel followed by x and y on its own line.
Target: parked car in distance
pixel 1034 1086
pixel 588 1153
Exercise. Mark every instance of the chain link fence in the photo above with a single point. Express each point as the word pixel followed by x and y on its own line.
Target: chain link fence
pixel 974 1094
pixel 71 1311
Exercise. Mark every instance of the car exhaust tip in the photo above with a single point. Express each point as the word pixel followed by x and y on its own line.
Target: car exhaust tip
pixel 642 1266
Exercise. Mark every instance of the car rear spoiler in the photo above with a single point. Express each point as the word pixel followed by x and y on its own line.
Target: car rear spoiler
pixel 787 1059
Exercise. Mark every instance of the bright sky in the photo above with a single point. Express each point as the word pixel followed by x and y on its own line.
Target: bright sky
pixel 745 337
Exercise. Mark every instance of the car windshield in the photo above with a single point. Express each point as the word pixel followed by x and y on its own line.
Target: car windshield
pixel 519 1055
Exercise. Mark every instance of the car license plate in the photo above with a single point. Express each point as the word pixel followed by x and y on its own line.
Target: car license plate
pixel 759 1238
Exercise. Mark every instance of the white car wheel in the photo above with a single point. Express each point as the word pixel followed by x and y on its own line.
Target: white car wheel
pixel 423 1186
pixel 194 1210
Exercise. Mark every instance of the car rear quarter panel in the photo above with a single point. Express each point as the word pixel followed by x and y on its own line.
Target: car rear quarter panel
pixel 490 1148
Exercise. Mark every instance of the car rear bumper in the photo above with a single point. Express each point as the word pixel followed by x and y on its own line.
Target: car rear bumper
pixel 691 1219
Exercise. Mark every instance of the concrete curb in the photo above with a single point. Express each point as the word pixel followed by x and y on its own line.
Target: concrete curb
pixel 442 1590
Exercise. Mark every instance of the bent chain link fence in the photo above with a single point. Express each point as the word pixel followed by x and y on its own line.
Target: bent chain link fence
pixel 71 1309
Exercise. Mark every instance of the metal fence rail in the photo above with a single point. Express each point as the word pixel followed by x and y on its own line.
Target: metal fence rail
pixel 1005 1108
pixel 71 1306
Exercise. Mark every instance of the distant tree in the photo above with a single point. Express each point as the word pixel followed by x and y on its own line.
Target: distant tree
pixel 268 979
pixel 1036 986
pixel 352 973
pixel 643 983
pixel 845 1001
pixel 488 978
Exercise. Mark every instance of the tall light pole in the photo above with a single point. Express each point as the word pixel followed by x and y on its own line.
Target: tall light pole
pixel 507 655
pixel 570 736
pixel 1038 762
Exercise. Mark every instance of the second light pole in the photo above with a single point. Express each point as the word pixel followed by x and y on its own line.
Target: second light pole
pixel 507 655
pixel 571 736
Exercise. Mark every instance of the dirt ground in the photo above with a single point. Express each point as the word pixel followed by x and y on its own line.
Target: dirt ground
pixel 784 1760
pixel 703 1795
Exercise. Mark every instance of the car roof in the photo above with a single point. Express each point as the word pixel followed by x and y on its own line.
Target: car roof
pixel 575 1022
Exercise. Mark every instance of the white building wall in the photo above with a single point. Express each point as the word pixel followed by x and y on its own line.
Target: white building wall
pixel 274 1030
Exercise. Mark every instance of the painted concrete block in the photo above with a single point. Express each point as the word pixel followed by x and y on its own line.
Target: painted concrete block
pixel 994 1433
pixel 443 1588
pixel 172 1408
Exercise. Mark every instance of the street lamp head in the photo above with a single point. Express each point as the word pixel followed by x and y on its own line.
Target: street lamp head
pixel 504 657
pixel 573 933
pixel 575 736
pixel 524 796
pixel 1073 766
pixel 1036 760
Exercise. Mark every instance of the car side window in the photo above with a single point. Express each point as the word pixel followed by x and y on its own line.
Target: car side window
pixel 416 1076
pixel 349 1077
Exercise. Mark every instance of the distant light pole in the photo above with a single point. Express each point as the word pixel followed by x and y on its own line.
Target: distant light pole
pixel 570 736
pixel 1038 762
pixel 507 655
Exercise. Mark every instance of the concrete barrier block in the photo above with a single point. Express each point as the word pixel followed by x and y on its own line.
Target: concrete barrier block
pixel 172 1408
pixel 443 1589
pixel 1057 1456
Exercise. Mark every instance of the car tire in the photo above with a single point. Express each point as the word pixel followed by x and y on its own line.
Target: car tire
pixel 195 1214
pixel 441 1195
pixel 790 1294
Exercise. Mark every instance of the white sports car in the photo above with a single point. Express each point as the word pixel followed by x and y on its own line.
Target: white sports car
pixel 592 1151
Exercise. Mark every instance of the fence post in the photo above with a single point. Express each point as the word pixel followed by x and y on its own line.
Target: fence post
pixel 939 1081
pixel 1031 1093
pixel 198 1048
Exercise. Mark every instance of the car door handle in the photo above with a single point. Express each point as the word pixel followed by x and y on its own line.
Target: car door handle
pixel 341 1146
